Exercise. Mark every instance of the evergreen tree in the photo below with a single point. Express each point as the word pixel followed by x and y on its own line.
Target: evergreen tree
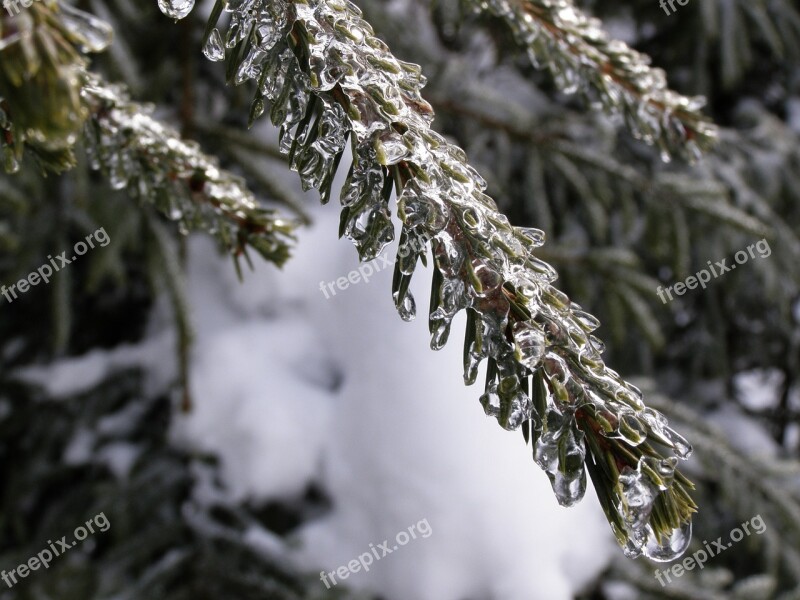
pixel 569 129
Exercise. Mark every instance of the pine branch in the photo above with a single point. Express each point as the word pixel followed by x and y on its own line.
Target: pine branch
pixel 153 162
pixel 744 28
pixel 40 81
pixel 50 101
pixel 582 58
pixel 326 77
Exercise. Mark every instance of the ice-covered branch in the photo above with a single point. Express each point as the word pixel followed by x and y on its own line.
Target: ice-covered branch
pixel 150 159
pixel 50 102
pixel 325 78
pixel 582 58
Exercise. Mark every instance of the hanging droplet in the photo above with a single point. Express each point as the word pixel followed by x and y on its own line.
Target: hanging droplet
pixel 490 400
pixel 407 309
pixel 486 279
pixel 440 334
pixel 586 321
pixel 472 361
pixel 672 547
pixel 679 444
pixel 176 9
pixel 569 488
pixel 515 405
pixel 214 48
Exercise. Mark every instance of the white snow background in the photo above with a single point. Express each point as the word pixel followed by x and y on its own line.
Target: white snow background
pixel 401 439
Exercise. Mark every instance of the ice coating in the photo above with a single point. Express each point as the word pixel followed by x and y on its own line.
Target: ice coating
pixel 124 141
pixel 328 82
pixel 587 61
pixel 91 33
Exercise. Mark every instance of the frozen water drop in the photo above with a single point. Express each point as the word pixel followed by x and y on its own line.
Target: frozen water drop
pixel 631 429
pixel 679 444
pixel 569 489
pixel 486 279
pixel 529 344
pixel 490 401
pixel 440 335
pixel 586 321
pixel 672 547
pixel 176 9
pixel 214 48
pixel 471 363
pixel 536 237
pixel 407 308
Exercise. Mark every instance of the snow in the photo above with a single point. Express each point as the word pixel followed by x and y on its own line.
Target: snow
pixel 399 441
pixel 253 409
pixel 76 375
pixel 758 389
pixel 289 387
pixel 120 457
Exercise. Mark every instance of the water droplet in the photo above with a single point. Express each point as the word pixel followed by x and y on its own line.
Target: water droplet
pixel 176 9
pixel 679 444
pixel 407 309
pixel 214 48
pixel 668 549
pixel 569 489
pixel 487 279
pixel 631 429
pixel 490 400
pixel 440 334
pixel 587 321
